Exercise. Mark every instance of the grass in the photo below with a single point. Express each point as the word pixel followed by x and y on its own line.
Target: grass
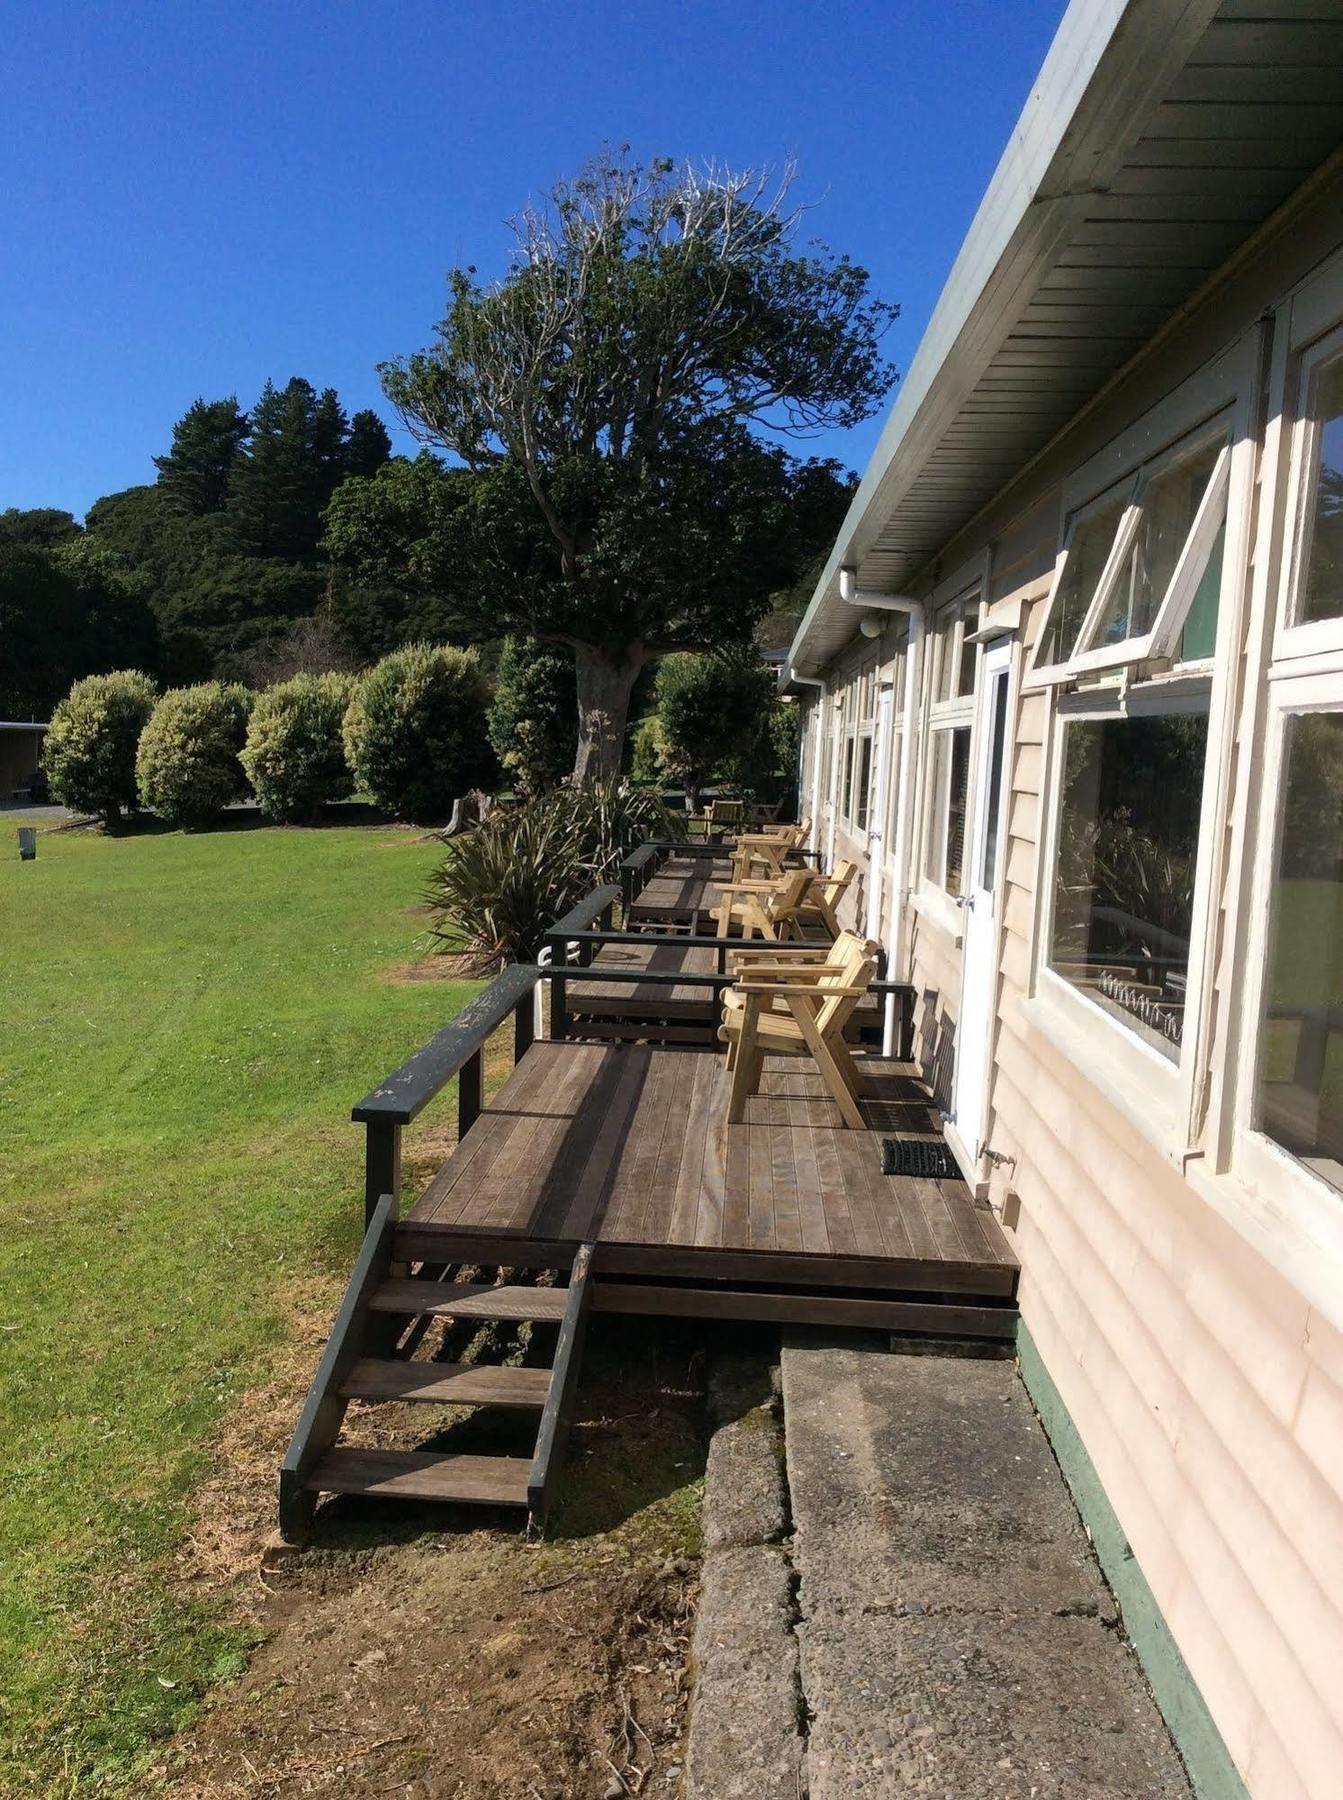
pixel 186 1021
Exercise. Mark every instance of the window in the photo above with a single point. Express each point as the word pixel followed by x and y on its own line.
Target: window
pixel 1291 1094
pixel 1319 582
pixel 955 657
pixel 1140 574
pixel 949 725
pixel 1299 1085
pixel 1138 589
pixel 949 790
pixel 1127 845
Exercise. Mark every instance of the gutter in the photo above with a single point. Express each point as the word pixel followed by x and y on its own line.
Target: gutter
pixel 852 595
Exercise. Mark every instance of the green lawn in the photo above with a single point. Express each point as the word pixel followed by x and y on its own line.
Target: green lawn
pixel 185 1021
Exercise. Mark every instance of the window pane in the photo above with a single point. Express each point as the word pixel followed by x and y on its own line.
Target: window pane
pixel 1199 636
pixel 950 783
pixel 1301 1037
pixel 1082 570
pixel 864 782
pixel 946 660
pixel 848 779
pixel 1322 575
pixel 997 759
pixel 1124 878
pixel 965 683
pixel 1167 507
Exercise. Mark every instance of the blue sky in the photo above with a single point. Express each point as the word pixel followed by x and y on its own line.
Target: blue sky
pixel 196 195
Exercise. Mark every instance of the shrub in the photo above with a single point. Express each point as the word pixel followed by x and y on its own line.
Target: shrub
pixel 89 755
pixel 533 718
pixel 293 755
pixel 415 731
pixel 502 886
pixel 711 710
pixel 188 766
pixel 646 752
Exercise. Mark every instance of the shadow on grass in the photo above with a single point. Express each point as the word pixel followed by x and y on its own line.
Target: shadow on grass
pixel 246 815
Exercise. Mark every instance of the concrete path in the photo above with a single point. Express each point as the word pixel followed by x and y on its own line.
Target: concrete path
pixel 956 1637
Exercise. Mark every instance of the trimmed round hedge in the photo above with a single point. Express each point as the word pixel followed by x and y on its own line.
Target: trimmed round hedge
pixel 293 755
pixel 187 766
pixel 89 753
pixel 415 733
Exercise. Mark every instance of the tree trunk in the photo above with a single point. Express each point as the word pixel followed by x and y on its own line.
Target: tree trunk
pixel 605 683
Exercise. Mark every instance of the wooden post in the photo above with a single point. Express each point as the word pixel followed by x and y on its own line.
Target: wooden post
pixel 469 1094
pixel 524 1027
pixel 382 1166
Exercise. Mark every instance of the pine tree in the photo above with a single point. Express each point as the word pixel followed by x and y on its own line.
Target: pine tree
pixel 207 441
pixel 368 446
pixel 275 493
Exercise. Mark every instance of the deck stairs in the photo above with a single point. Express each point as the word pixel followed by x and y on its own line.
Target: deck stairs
pixel 389 1306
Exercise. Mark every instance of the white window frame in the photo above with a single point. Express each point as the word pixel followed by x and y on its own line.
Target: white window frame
pixel 1298 1214
pixel 1160 640
pixel 1156 1093
pixel 1322 636
pixel 948 608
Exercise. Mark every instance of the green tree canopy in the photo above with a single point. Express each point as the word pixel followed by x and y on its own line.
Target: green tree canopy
pixel 620 396
pixel 40 527
pixel 207 442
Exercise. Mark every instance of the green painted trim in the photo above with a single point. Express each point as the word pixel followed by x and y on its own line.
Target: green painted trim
pixel 1211 1770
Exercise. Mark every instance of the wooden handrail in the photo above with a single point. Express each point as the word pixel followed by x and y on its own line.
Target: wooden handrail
pixel 458 1049
pixel 555 1420
pixel 406 1092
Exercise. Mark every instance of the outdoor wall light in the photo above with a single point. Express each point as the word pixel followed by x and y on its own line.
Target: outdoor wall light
pixel 870 626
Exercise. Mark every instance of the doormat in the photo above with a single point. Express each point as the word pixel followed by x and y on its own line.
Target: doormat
pixel 927 1158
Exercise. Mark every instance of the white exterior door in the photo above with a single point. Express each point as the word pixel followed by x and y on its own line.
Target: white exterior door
pixel 979 903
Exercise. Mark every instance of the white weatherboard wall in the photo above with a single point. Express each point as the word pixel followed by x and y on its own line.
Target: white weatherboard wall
pixel 1206 1382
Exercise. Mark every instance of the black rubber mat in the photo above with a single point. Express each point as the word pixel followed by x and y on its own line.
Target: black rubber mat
pixel 918 1156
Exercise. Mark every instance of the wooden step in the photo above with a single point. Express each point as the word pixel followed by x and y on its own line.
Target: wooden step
pixel 466 1300
pixel 417 1475
pixel 445 1384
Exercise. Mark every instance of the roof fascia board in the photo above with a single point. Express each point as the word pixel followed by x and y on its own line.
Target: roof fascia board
pixel 1109 63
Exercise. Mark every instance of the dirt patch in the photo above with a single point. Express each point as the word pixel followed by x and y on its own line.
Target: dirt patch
pixel 426 1654
pixel 452 965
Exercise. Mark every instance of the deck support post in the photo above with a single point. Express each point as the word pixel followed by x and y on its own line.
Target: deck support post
pixel 382 1166
pixel 469 1094
pixel 524 1028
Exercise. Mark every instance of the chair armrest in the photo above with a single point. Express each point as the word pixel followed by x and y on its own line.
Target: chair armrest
pixel 803 952
pixel 790 987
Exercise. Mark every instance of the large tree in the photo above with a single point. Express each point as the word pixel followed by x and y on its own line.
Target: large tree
pixel 622 393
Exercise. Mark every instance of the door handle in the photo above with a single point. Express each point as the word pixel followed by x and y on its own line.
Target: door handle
pixel 966 902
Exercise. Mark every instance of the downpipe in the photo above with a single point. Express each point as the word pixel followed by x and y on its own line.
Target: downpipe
pixel 896 950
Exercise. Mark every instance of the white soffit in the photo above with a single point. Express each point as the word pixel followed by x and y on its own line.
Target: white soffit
pixel 1159 136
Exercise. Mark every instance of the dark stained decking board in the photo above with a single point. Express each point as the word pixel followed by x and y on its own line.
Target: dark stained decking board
pixel 683 891
pixel 586 996
pixel 628 1146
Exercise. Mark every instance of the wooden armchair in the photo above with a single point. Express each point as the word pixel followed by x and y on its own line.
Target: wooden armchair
pixel 769 908
pixel 768 849
pixel 796 1001
pixel 822 906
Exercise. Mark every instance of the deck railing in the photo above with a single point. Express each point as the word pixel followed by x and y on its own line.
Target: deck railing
pixel 456 1050
pixel 459 1048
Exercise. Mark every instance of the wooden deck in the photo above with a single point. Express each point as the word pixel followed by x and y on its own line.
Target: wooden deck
pixel 682 892
pixel 785 1216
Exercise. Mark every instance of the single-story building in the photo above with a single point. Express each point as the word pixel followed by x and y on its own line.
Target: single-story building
pixel 1072 681
pixel 20 756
